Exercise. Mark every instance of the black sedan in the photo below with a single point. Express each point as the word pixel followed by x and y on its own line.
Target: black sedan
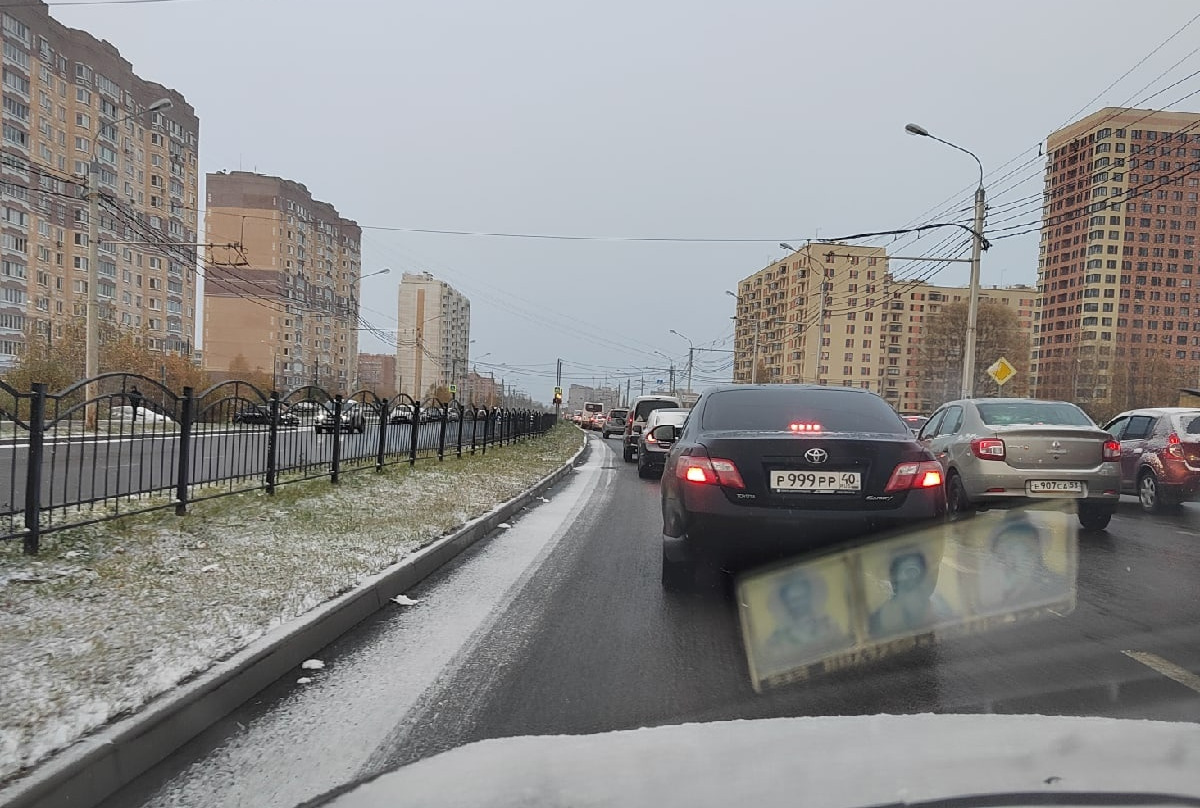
pixel 767 471
pixel 261 415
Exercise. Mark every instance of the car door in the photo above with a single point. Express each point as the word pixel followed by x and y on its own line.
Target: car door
pixel 929 432
pixel 1116 427
pixel 942 443
pixel 1133 446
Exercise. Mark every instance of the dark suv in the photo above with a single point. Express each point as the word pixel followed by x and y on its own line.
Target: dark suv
pixel 1160 455
pixel 261 415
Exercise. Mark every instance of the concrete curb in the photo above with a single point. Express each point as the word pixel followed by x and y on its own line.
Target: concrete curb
pixel 90 771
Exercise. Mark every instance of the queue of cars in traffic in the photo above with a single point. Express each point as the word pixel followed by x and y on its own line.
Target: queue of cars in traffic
pixel 752 472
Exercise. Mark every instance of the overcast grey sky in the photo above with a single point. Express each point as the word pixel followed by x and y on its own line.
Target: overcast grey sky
pixel 773 119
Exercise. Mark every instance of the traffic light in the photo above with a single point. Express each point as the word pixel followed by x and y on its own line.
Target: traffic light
pixel 558 395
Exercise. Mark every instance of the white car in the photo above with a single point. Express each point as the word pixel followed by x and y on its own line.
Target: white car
pixel 145 416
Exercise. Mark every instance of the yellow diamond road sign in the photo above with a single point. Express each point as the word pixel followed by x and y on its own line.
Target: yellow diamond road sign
pixel 1001 371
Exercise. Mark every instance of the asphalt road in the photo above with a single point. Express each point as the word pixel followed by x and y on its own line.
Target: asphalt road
pixel 81 468
pixel 559 625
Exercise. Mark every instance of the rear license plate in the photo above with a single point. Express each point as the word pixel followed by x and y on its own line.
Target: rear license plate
pixel 1057 488
pixel 817 482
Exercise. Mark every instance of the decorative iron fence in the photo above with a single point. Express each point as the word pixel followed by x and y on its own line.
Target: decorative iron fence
pixel 122 443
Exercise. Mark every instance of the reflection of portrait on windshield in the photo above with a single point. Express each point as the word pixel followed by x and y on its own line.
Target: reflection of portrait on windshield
pixel 913 604
pixel 803 624
pixel 1014 574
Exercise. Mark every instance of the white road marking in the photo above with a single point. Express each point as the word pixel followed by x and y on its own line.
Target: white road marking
pixel 1167 668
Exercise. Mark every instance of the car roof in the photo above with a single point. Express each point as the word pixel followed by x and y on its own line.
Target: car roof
pixel 721 388
pixel 1158 411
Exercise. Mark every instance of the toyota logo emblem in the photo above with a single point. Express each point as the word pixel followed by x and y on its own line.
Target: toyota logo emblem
pixel 816 455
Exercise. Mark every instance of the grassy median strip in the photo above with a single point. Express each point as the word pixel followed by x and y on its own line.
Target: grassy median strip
pixel 112 615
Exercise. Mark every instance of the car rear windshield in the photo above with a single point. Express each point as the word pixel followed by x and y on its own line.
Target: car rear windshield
pixel 786 409
pixel 676 418
pixel 1058 413
pixel 644 408
pixel 1188 423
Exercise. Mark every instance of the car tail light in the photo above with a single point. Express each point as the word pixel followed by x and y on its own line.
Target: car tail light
pixel 1112 451
pixel 709 471
pixel 988 448
pixel 1174 449
pixel 920 474
pixel 650 438
pixel 804 427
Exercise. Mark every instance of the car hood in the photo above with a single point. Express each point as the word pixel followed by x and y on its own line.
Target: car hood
pixel 830 761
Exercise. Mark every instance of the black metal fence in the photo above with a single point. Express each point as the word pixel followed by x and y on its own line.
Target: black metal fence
pixel 121 444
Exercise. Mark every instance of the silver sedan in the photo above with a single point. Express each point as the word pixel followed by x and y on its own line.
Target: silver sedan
pixel 997 450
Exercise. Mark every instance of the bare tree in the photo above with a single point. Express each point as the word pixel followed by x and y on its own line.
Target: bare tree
pixel 998 334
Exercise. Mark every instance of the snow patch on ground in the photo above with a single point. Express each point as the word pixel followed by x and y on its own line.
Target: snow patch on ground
pixel 112 615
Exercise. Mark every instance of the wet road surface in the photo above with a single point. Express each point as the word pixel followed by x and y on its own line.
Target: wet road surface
pixel 559 625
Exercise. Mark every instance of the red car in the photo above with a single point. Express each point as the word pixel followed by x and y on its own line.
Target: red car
pixel 1160 455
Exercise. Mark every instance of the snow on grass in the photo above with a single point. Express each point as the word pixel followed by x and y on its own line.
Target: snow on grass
pixel 111 615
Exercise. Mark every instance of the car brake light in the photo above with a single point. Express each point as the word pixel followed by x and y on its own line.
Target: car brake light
pixel 804 427
pixel 1174 449
pixel 923 474
pixel 710 471
pixel 650 438
pixel 988 448
pixel 1112 451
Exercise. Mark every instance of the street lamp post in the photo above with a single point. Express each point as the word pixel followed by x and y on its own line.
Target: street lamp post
pixel 92 321
pixel 691 357
pixel 968 374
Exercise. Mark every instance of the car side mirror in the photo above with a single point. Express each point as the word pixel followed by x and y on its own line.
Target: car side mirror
pixel 637 429
pixel 664 433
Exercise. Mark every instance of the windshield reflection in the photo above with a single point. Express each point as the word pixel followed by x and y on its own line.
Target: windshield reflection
pixel 803 618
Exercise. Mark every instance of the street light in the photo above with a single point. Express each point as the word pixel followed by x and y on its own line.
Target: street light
pixel 968 373
pixel 92 319
pixel 383 271
pixel 691 355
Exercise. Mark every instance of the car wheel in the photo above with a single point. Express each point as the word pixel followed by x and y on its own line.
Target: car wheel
pixel 678 575
pixel 644 470
pixel 627 453
pixel 958 505
pixel 1095 517
pixel 1150 494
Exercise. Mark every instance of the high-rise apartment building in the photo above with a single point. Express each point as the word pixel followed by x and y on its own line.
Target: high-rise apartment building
pixel 288 304
pixel 70 99
pixel 377 373
pixel 869 324
pixel 1117 262
pixel 434 334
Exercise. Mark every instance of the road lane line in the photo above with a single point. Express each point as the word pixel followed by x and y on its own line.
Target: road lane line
pixel 1167 668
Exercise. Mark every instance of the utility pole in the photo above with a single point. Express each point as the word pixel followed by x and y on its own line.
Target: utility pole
pixel 628 383
pixel 672 371
pixel 968 377
pixel 92 320
pixel 558 384
pixel 642 392
pixel 92 354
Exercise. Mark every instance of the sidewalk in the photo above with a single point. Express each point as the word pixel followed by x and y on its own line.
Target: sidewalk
pixel 112 615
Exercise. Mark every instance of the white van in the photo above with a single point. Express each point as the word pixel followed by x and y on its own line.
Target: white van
pixel 636 420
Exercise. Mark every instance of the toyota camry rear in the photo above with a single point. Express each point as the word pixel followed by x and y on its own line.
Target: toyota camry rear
pixel 766 471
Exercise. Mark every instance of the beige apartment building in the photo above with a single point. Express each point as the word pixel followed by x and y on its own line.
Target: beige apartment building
pixel 433 336
pixel 1117 261
pixel 287 304
pixel 865 331
pixel 69 99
